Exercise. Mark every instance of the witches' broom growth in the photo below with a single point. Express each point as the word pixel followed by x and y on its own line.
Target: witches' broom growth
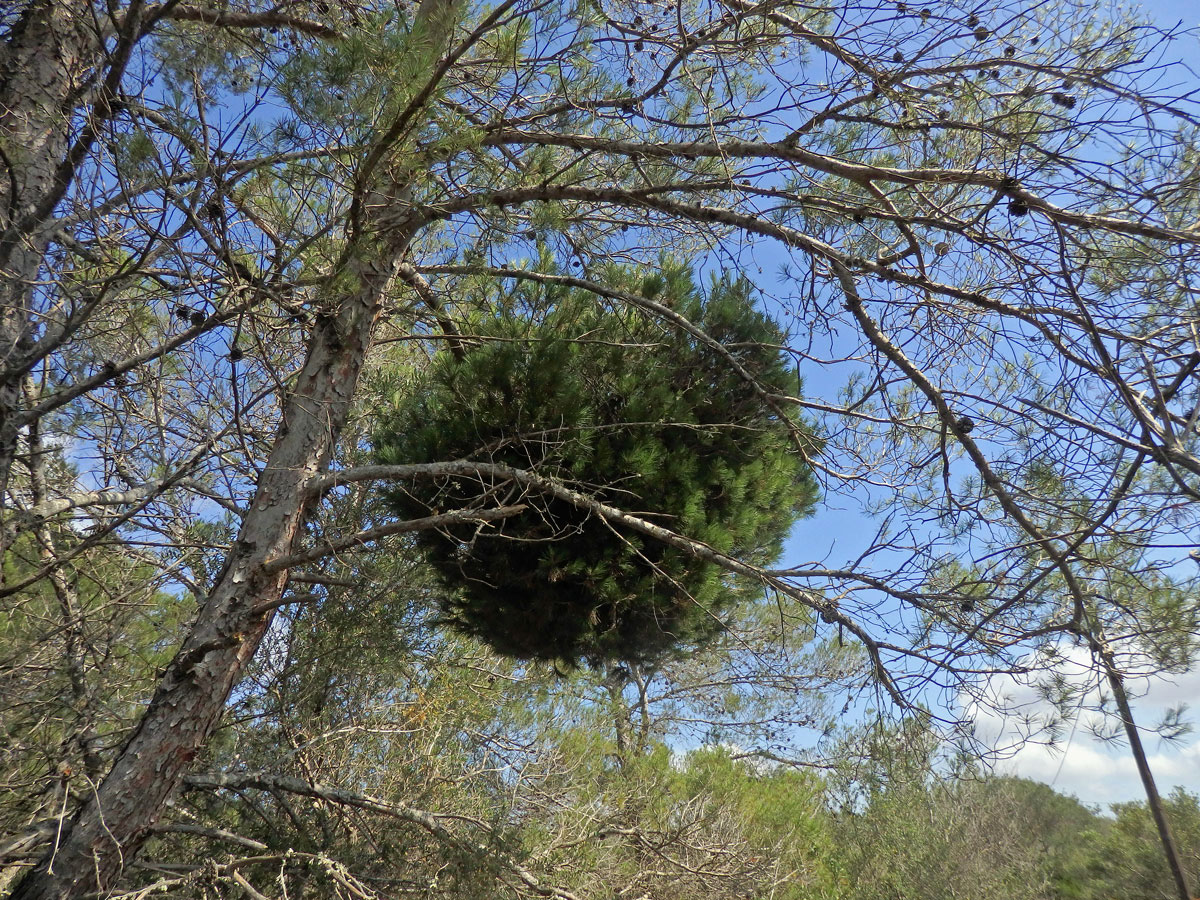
pixel 643 416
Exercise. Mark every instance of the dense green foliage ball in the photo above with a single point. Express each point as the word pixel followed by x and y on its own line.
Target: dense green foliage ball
pixel 631 411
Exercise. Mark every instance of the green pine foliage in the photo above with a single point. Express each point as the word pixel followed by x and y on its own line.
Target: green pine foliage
pixel 640 415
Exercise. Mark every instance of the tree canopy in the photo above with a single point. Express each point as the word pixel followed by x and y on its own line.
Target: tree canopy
pixel 228 232
pixel 667 423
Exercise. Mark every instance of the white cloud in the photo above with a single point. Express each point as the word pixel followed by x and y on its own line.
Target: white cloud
pixel 1095 771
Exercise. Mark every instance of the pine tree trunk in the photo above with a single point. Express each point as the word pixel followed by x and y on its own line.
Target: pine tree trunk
pixel 52 51
pixel 1153 800
pixel 110 829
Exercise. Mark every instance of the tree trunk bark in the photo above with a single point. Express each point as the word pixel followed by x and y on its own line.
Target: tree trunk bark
pixel 110 829
pixel 52 57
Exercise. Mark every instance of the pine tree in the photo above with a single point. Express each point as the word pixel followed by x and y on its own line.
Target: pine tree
pixel 649 419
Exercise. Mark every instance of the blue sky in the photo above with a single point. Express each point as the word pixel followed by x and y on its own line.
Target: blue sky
pixel 1171 11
